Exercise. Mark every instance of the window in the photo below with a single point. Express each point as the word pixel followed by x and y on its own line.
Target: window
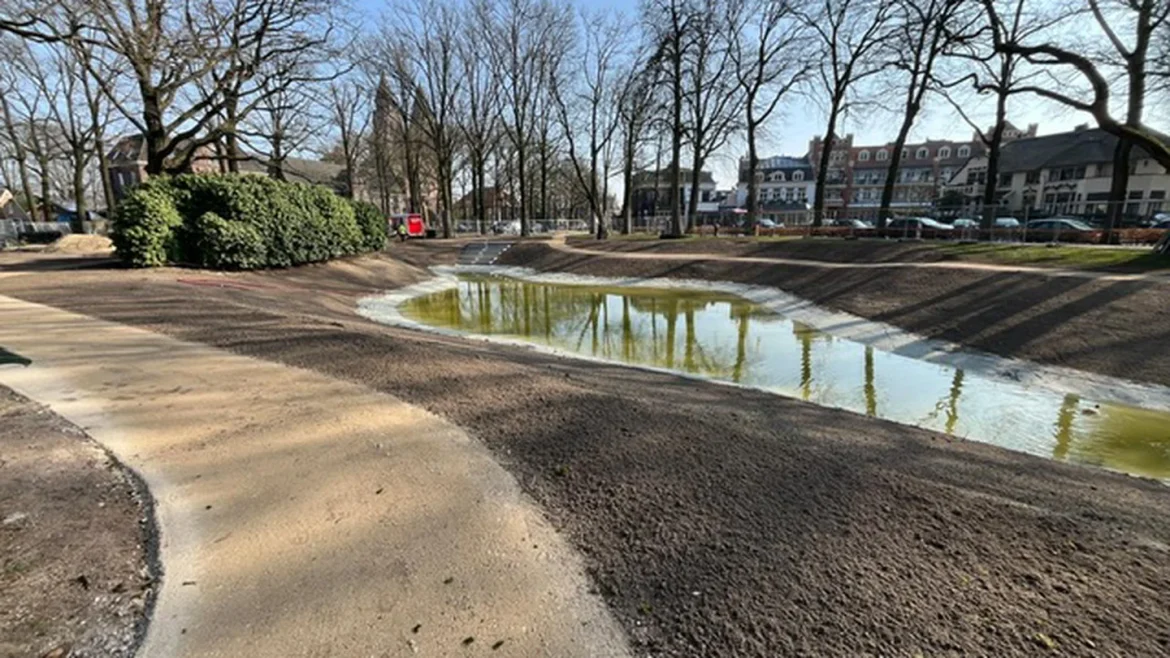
pixel 923 153
pixel 905 154
pixel 883 155
pixel 1005 180
pixel 964 151
pixel 863 156
pixel 1033 178
pixel 944 152
pixel 798 176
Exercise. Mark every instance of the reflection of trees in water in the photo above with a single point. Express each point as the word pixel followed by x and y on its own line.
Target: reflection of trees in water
pixel 949 405
pixel 1064 426
pixel 870 388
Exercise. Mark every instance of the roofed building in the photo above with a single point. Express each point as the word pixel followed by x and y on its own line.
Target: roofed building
pixel 1067 173
pixel 857 174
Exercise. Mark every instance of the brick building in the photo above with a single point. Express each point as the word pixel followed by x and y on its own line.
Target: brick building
pixel 857 173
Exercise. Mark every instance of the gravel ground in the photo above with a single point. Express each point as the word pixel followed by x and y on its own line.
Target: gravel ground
pixel 74 578
pixel 718 521
pixel 1118 328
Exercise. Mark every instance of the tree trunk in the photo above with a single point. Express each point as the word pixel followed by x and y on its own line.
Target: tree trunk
pixel 895 164
pixel 1118 187
pixel 231 139
pixel 676 228
pixel 628 181
pixel 753 196
pixel 99 146
pixel 823 165
pixel 693 209
pixel 79 161
pixel 46 192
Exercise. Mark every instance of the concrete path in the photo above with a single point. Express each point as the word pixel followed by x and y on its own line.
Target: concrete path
pixel 305 516
pixel 559 243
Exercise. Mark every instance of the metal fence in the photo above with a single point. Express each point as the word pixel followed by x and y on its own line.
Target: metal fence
pixel 18 230
pixel 512 227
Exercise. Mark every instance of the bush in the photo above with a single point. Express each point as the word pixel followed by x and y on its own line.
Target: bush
pixel 228 245
pixel 373 225
pixel 144 228
pixel 235 222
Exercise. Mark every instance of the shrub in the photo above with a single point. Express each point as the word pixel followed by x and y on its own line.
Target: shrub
pixel 373 225
pixel 236 222
pixel 144 228
pixel 228 245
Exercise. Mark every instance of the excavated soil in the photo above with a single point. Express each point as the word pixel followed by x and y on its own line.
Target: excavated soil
pixel 719 521
pixel 74 533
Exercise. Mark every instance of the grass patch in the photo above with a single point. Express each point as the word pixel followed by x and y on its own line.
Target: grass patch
pixel 1073 257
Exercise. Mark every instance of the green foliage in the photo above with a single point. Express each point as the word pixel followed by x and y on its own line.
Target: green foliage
pixel 227 245
pixel 144 228
pixel 373 225
pixel 236 222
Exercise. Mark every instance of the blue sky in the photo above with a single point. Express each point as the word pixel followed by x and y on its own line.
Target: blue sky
pixel 789 133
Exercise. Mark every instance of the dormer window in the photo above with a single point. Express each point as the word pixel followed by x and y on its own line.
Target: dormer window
pixel 964 151
pixel 883 155
pixel 798 176
pixel 863 156
pixel 923 153
pixel 944 152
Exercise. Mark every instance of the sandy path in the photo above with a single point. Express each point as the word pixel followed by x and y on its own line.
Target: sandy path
pixel 559 243
pixel 306 516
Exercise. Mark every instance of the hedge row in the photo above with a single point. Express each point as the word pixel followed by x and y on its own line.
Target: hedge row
pixel 240 222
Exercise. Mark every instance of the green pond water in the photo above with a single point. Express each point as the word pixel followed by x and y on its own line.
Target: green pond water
pixel 729 338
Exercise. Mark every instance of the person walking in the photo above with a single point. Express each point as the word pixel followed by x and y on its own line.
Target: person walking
pixel 402 230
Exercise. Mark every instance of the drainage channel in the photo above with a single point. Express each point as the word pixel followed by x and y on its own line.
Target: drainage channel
pixel 721 336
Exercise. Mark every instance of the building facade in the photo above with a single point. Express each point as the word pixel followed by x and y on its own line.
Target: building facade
pixel 857 174
pixel 652 190
pixel 787 186
pixel 1066 174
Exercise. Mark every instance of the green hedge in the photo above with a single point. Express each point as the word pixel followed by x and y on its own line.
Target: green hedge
pixel 240 222
pixel 373 225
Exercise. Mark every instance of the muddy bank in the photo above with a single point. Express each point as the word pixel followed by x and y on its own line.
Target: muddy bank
pixel 1117 328
pixel 73 538
pixel 726 522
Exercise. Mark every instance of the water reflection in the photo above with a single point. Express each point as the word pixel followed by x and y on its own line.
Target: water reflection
pixel 729 338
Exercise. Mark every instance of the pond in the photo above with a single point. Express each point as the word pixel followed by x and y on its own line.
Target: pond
pixel 724 337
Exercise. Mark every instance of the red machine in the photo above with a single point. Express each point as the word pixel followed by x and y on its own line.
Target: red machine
pixel 415 226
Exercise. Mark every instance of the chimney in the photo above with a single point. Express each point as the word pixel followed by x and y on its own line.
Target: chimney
pixel 1081 128
pixel 1033 128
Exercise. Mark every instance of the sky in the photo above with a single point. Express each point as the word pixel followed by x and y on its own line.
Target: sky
pixel 797 123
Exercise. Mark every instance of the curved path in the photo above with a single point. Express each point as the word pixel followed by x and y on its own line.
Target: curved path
pixel 302 515
pixel 559 243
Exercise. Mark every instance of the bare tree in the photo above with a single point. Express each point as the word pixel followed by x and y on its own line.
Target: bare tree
pixel 588 110
pixel 479 107
pixel 637 103
pixel 524 35
pixel 287 120
pixel 921 32
pixel 995 72
pixel 769 50
pixel 669 24
pixel 1139 20
pixel 431 30
pixel 713 97
pixel 348 103
pixel 847 32
pixel 16 138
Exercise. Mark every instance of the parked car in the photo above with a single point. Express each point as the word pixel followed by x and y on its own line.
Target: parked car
pixel 913 224
pixel 964 222
pixel 1007 222
pixel 1164 223
pixel 854 224
pixel 1058 224
pixel 767 223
